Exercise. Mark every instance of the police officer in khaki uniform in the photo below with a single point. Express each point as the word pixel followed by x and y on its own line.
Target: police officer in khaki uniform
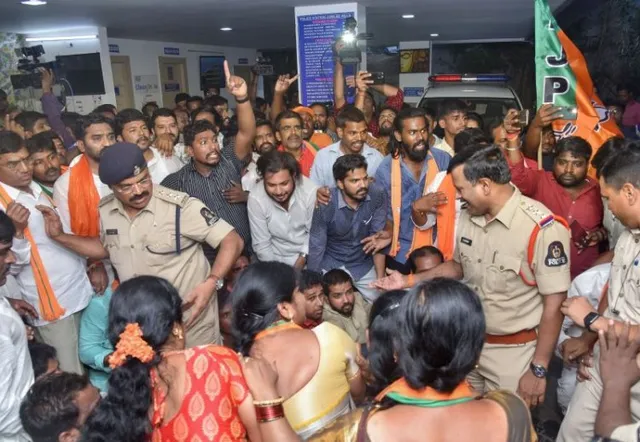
pixel 152 230
pixel 521 286
pixel 620 186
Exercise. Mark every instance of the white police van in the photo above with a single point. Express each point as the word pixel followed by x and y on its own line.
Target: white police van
pixel 488 95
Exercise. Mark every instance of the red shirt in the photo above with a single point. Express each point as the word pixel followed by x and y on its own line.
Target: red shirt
pixel 306 158
pixel 394 102
pixel 586 209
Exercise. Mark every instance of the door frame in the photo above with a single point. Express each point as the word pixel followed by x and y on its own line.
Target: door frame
pixel 124 59
pixel 183 60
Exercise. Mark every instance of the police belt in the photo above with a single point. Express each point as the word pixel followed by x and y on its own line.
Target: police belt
pixel 521 337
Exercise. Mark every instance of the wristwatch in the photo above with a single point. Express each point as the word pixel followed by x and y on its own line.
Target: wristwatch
pixel 303 255
pixel 218 281
pixel 590 319
pixel 538 371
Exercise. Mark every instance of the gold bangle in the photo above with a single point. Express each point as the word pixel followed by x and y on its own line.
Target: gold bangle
pixel 269 403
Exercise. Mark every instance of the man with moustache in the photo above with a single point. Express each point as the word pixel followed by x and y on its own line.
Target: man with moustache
pixel 511 251
pixel 321 120
pixel 352 129
pixel 221 106
pixel 356 212
pixel 405 175
pixel 131 127
pixel 264 142
pixel 569 193
pixel 214 175
pixel 452 118
pixel 51 278
pixel 46 161
pixel 344 306
pixel 78 191
pixel 289 126
pixel 166 135
pixel 318 139
pixel 152 230
pixel 281 210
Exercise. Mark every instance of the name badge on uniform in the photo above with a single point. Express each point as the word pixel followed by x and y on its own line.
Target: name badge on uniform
pixel 466 241
pixel 556 255
pixel 112 231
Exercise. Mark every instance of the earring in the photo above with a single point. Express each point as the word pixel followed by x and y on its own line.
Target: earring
pixel 177 332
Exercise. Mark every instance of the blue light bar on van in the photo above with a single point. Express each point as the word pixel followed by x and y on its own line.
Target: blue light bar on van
pixel 457 78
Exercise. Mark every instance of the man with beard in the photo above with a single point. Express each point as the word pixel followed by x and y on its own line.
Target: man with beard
pixel 46 162
pixel 356 212
pixel 386 118
pixel 214 175
pixel 310 284
pixel 78 191
pixel 131 127
pixel 343 306
pixel 452 118
pixel 51 278
pixel 152 230
pixel 405 175
pixel 318 139
pixel 166 135
pixel 289 127
pixel 264 142
pixel 281 210
pixel 221 106
pixel 569 193
pixel 511 250
pixel 194 103
pixel 321 120
pixel 352 129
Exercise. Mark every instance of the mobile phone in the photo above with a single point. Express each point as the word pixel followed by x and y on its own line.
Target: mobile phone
pixel 523 118
pixel 567 113
pixel 578 233
pixel 377 77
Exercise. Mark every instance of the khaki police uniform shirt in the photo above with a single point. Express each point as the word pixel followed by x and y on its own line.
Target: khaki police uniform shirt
pixel 146 244
pixel 624 284
pixel 494 254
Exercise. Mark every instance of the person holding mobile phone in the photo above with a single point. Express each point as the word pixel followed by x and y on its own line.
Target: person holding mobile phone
pixel 569 193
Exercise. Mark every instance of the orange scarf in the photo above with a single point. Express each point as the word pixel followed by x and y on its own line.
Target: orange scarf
pixel 445 217
pixel 50 310
pixel 84 200
pixel 401 387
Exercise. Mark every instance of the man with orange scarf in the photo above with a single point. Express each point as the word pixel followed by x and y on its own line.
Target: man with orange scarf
pixel 406 175
pixel 51 278
pixel 77 192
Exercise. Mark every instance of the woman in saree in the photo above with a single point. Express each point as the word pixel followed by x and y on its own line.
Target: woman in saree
pixel 438 341
pixel 318 377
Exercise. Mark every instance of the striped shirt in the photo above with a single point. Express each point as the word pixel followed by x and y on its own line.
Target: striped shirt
pixel 208 189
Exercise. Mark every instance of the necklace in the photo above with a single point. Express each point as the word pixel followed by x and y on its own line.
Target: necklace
pixel 401 392
pixel 276 327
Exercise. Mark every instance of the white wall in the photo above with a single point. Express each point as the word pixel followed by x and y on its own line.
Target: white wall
pixel 82 104
pixel 414 80
pixel 143 57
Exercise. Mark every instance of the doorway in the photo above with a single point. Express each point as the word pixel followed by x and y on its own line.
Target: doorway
pixel 173 78
pixel 122 81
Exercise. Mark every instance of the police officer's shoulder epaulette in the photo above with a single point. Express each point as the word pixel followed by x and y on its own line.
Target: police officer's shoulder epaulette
pixel 542 216
pixel 170 195
pixel 106 200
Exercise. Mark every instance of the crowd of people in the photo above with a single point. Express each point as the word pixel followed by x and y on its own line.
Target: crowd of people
pixel 338 272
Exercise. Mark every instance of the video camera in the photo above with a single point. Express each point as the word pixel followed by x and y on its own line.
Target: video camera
pixel 30 63
pixel 346 45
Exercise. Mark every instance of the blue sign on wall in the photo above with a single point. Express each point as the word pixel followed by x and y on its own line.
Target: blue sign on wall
pixel 316 34
pixel 171 51
pixel 115 49
pixel 413 91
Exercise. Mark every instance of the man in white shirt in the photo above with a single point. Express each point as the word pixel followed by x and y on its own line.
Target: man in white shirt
pixel 94 133
pixel 15 363
pixel 352 130
pixel 452 118
pixel 131 127
pixel 166 135
pixel 281 210
pixel 52 279
pixel 264 142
